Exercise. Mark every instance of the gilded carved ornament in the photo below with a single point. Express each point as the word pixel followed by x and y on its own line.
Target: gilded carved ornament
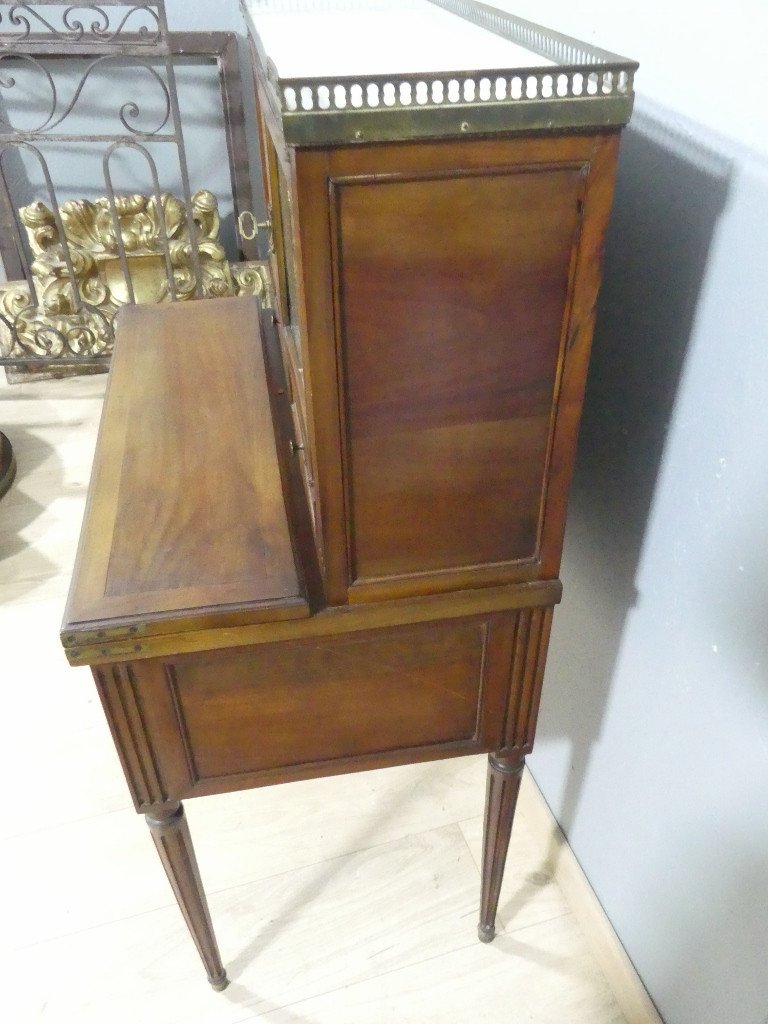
pixel 159 251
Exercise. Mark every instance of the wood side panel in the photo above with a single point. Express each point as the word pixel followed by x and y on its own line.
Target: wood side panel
pixel 340 766
pixel 285 704
pixel 315 171
pixel 452 295
pixel 271 150
pixel 292 316
pixel 297 492
pixel 270 171
pixel 597 208
pixel 296 387
pixel 217 721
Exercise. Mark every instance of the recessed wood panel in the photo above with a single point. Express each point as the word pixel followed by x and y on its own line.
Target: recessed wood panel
pixel 341 697
pixel 452 293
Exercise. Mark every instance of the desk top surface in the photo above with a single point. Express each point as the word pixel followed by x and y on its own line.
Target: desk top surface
pixel 408 36
pixel 185 525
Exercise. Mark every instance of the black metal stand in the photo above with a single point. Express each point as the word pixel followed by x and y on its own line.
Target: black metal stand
pixel 7 464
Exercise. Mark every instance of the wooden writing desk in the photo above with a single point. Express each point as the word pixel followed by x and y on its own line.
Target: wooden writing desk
pixel 194 602
pixel 327 537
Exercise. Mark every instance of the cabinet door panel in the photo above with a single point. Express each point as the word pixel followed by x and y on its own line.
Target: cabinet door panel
pixel 452 298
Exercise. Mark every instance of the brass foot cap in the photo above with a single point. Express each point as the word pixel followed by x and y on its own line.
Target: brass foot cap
pixel 220 983
pixel 486 932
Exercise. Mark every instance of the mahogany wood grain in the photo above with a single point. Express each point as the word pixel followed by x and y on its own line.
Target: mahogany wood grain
pixel 224 720
pixel 186 517
pixel 220 720
pixel 298 496
pixel 452 290
pixel 123 697
pixel 473 266
pixel 269 179
pixel 333 620
pixel 365 693
pixel 598 197
pixel 288 258
pixel 314 321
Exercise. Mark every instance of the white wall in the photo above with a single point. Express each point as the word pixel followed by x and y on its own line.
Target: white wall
pixel 653 738
pixel 704 60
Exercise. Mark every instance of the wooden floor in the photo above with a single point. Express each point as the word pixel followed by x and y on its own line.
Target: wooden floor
pixel 351 899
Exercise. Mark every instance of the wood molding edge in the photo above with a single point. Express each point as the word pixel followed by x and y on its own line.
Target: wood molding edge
pixel 625 983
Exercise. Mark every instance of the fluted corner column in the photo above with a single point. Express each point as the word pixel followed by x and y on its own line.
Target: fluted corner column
pixel 503 785
pixel 170 832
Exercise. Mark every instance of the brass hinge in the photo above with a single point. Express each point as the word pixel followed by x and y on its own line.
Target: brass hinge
pixel 95 636
pixel 92 652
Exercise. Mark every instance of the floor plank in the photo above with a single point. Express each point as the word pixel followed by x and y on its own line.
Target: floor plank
pixel 543 974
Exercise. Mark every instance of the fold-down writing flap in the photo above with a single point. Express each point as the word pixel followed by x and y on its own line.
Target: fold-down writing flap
pixel 186 524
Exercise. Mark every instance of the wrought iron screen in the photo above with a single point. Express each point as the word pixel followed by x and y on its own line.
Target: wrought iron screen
pixel 131 245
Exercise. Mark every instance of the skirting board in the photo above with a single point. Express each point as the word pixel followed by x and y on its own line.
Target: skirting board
pixel 631 995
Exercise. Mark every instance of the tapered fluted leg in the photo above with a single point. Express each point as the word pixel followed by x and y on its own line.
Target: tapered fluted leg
pixel 500 799
pixel 170 832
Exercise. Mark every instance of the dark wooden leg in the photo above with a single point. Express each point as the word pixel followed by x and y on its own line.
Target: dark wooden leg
pixel 7 464
pixel 500 799
pixel 170 832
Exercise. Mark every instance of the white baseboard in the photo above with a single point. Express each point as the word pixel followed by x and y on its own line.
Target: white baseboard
pixel 631 995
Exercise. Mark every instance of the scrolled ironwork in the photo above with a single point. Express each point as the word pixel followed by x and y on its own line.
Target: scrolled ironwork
pixel 19 16
pixel 143 31
pixel 77 28
pixel 128 110
pixel 83 260
pixel 25 16
pixel 162 228
pixel 73 29
pixel 131 108
pixel 55 212
pixel 36 338
pixel 8 81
